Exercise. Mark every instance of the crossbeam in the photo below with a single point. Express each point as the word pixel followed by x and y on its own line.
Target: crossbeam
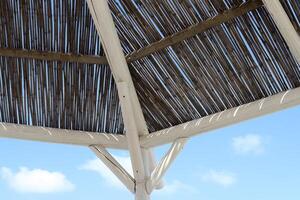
pixel 228 117
pixel 62 136
pixel 195 29
pixel 52 56
pixel 285 26
pixel 225 118
pixel 145 51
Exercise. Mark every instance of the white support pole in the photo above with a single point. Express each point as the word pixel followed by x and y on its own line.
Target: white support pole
pixel 133 143
pixel 228 117
pixel 285 26
pixel 134 121
pixel 164 164
pixel 114 166
pixel 62 136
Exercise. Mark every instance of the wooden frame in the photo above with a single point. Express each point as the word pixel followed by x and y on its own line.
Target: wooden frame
pixel 147 176
pixel 62 136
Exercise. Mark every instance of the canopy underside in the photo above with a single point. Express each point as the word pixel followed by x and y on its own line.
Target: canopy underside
pixel 227 65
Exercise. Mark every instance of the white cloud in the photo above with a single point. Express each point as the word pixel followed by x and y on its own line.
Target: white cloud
pixel 97 166
pixel 248 144
pixel 219 177
pixel 35 180
pixel 174 187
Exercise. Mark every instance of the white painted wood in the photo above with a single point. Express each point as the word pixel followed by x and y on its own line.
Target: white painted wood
pixel 131 133
pixel 164 164
pixel 115 56
pixel 62 136
pixel 134 121
pixel 136 155
pixel 231 116
pixel 228 117
pixel 153 165
pixel 285 26
pixel 114 166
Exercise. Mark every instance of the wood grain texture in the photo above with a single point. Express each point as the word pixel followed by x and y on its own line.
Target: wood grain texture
pixel 52 56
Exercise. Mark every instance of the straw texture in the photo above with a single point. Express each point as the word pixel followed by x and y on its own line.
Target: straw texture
pixel 188 59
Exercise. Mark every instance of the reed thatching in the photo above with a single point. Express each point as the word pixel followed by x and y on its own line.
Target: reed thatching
pixel 188 59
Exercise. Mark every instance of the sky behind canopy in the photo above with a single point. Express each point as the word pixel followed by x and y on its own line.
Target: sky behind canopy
pixel 255 160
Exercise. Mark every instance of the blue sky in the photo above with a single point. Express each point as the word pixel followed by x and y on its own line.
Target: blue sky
pixel 254 160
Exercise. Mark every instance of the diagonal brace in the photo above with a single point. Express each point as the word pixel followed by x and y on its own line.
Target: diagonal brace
pixel 164 164
pixel 114 166
pixel 284 26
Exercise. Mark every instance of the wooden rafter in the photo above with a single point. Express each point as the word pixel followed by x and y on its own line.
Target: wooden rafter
pixel 62 136
pixel 194 30
pixel 238 114
pixel 145 51
pixel 52 56
pixel 285 26
pixel 224 118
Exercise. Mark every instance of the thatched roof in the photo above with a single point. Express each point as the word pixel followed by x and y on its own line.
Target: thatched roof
pixel 188 59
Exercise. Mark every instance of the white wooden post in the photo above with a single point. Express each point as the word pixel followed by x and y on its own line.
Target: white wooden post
pixel 134 121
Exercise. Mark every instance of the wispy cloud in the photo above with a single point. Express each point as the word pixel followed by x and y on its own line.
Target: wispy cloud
pixel 174 187
pixel 248 144
pixel 222 178
pixel 35 180
pixel 97 166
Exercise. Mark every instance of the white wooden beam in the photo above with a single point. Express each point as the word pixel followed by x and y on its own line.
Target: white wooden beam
pixel 114 166
pixel 228 117
pixel 62 136
pixel 134 121
pixel 115 56
pixel 285 26
pixel 164 164
pixel 135 150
